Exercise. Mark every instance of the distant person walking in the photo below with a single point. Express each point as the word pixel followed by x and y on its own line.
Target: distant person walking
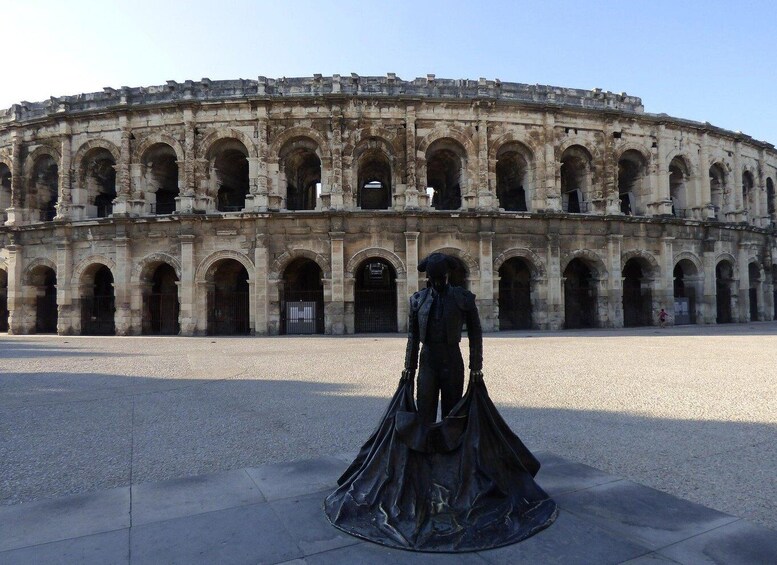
pixel 662 316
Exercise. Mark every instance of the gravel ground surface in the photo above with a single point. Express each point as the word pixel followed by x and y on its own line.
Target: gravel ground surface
pixel 690 411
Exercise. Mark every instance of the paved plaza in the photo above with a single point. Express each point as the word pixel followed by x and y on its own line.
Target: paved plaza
pixel 687 411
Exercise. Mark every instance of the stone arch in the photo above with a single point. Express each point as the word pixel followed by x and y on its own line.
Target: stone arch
pixel 379 252
pixel 368 160
pixel 693 258
pixel 534 261
pixel 593 152
pixel 88 262
pixel 87 146
pixel 495 146
pixel 152 139
pixel 293 132
pixel 470 152
pixel 381 138
pixel 145 265
pixel 646 256
pixel 40 151
pixel 473 269
pixel 631 146
pixel 206 265
pixel 687 162
pixel 214 136
pixel 34 264
pixel 594 261
pixel 726 256
pixel 283 261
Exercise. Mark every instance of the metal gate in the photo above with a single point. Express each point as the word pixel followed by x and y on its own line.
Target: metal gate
pixel 97 315
pixel 637 306
pixel 228 313
pixel 4 312
pixel 579 307
pixel 46 313
pixel 160 314
pixel 375 310
pixel 515 308
pixel 753 305
pixel 299 298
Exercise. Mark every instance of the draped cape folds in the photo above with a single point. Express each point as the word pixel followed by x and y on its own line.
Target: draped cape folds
pixel 463 484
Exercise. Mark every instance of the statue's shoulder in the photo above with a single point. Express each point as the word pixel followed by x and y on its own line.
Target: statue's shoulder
pixel 419 297
pixel 464 298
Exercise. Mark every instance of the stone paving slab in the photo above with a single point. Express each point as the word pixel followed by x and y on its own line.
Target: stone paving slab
pixel 273 514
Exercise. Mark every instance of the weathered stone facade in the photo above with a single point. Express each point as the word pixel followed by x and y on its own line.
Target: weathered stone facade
pixel 218 204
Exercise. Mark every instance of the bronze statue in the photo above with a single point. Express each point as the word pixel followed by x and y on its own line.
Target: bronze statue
pixel 465 483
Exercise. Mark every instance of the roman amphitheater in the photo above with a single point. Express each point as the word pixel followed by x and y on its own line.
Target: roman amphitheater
pixel 303 205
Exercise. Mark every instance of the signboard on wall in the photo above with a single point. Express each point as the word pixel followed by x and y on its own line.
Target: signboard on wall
pixel 301 317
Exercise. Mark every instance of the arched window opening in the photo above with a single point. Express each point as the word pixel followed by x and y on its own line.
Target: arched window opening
pixel 579 296
pixel 3 301
pixel 637 296
pixel 685 278
pixel 160 302
pixel 302 298
pixel 444 166
pixel 770 202
pixel 374 182
pixel 748 193
pixel 511 180
pixel 375 297
pixel 575 179
pixel 515 286
pixel 97 302
pixel 99 179
pixel 43 281
pixel 161 178
pixel 301 165
pixel 678 179
pixel 754 279
pixel 228 299
pixel 230 167
pixel 717 188
pixel 5 188
pixel 631 182
pixel 43 193
pixel 724 283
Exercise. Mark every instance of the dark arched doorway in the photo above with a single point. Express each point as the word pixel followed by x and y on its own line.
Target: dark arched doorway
pixel 44 282
pixel 515 309
pixel 374 181
pixel 97 302
pixel 228 302
pixel 637 298
pixel 724 280
pixel 684 293
pixel 579 296
pixel 160 302
pixel 3 301
pixel 375 297
pixel 302 298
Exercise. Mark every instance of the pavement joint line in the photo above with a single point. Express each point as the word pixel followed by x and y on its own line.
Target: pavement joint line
pixel 704 533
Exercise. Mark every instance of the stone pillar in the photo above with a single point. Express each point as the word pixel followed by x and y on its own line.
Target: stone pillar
pixel 662 203
pixel 335 188
pixel 15 214
pixel 121 289
pixel 259 198
pixel 762 208
pixel 64 198
pixel 707 210
pixel 15 297
pixel 548 191
pixel 615 290
pixel 611 195
pixel 665 292
pixel 261 305
pixel 123 175
pixel 486 200
pixel 710 299
pixel 412 184
pixel 485 294
pixel 411 260
pixel 555 284
pixel 334 310
pixel 743 290
pixel 737 213
pixel 66 309
pixel 185 201
pixel 186 315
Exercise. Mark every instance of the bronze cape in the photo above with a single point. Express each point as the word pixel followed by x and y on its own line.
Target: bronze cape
pixel 463 484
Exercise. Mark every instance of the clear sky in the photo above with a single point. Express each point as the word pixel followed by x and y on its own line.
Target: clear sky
pixel 706 60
